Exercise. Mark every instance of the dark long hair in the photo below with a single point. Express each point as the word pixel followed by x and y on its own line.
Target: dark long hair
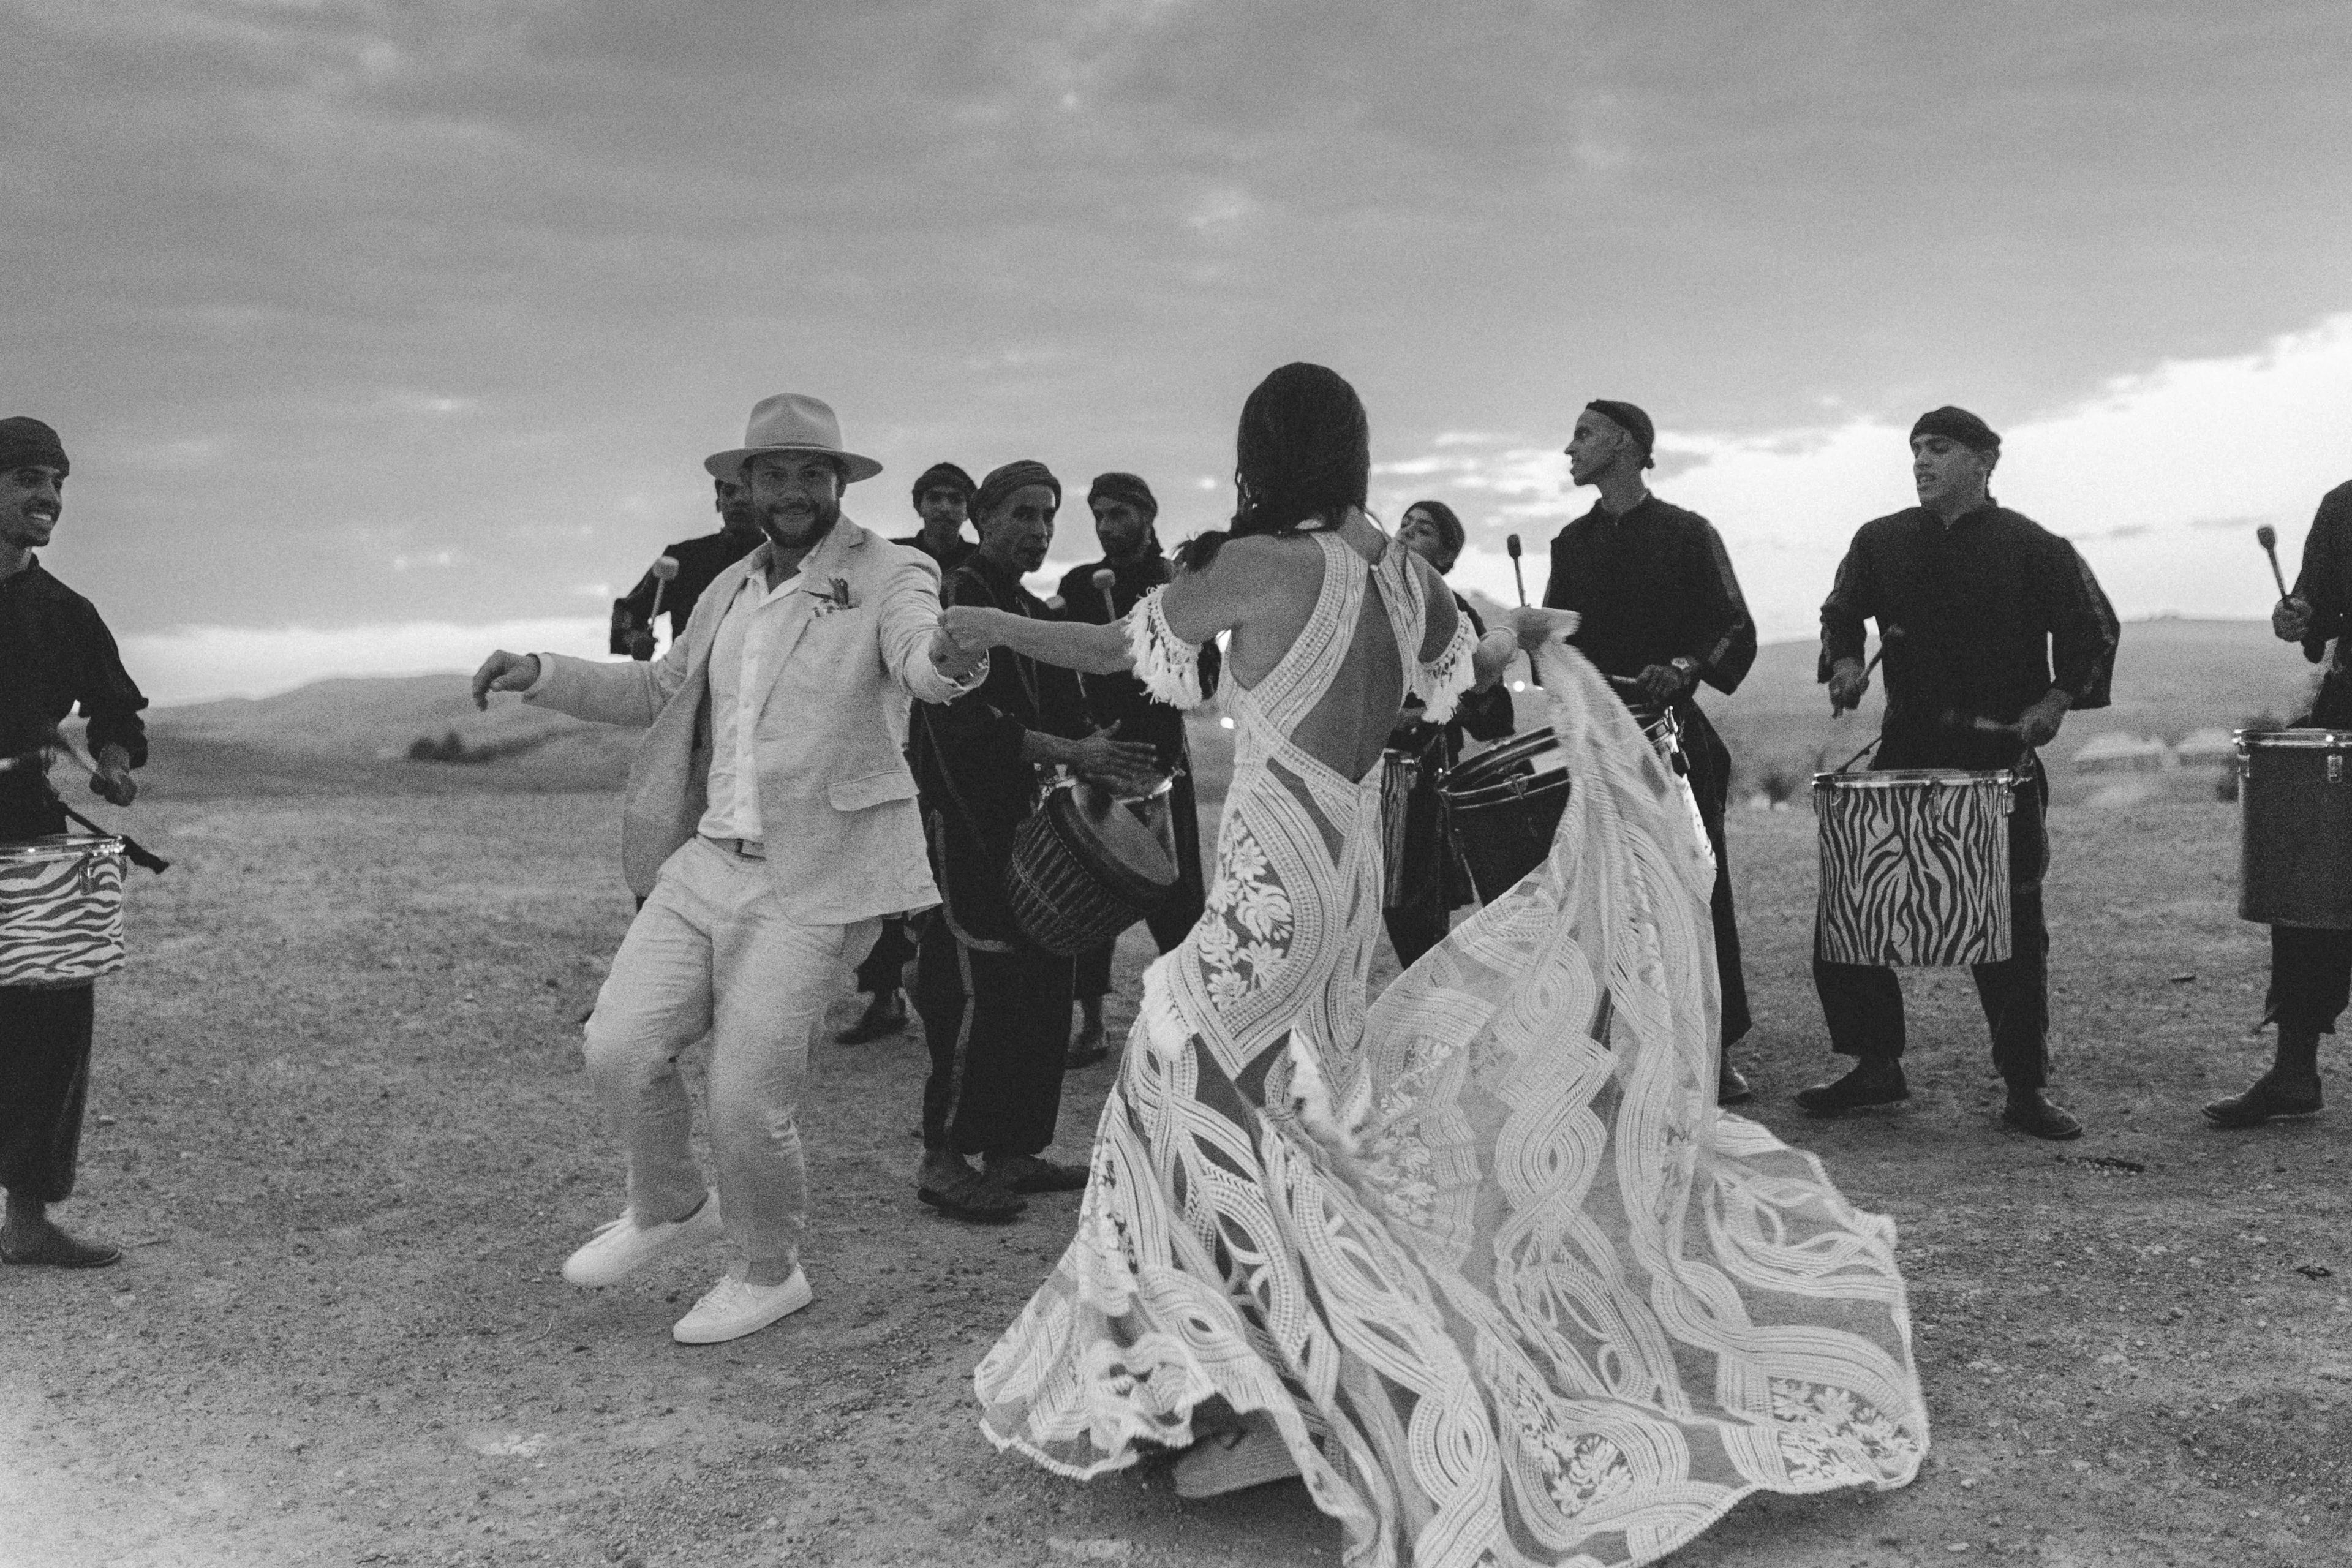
pixel 1302 458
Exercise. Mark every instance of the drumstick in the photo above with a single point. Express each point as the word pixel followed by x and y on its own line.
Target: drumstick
pixel 1104 580
pixel 1511 544
pixel 2267 537
pixel 1888 638
pixel 665 571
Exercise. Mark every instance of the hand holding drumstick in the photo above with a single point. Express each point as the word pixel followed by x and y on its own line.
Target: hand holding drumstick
pixel 2291 616
pixel 1849 682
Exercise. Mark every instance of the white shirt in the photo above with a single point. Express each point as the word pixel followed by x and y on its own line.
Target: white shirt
pixel 742 664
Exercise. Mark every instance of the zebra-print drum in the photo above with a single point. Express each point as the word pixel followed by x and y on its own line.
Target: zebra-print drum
pixel 1914 867
pixel 1087 865
pixel 2294 864
pixel 60 910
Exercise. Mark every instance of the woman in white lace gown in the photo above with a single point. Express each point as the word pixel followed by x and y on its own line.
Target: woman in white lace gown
pixel 1482 1262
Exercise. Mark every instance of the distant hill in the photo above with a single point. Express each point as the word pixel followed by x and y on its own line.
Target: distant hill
pixel 2173 677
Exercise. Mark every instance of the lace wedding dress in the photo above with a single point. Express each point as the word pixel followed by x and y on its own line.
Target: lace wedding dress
pixel 1486 1256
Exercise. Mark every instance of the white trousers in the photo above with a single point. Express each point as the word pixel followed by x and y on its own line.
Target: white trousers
pixel 712 954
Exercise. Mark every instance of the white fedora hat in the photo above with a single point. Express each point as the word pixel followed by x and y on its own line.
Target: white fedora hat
pixel 790 422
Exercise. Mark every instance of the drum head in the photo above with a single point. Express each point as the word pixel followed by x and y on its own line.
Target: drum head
pixel 1132 843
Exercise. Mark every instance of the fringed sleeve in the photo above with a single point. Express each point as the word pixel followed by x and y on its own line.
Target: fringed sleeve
pixel 1442 681
pixel 1168 667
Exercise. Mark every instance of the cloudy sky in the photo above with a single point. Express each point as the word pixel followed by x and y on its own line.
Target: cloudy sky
pixel 381 331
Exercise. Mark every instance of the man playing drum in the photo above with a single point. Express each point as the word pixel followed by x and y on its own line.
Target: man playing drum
pixel 55 653
pixel 2311 968
pixel 1125 513
pixel 769 823
pixel 1429 878
pixel 1997 630
pixel 1663 612
pixel 942 497
pixel 995 1006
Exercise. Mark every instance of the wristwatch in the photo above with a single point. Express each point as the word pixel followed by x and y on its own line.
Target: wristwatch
pixel 1686 667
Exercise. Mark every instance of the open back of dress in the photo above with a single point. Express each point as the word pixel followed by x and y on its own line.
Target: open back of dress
pixel 1509 1286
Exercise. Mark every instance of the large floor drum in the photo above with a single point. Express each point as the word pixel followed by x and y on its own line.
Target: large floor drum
pixel 60 911
pixel 2294 864
pixel 1914 867
pixel 1503 806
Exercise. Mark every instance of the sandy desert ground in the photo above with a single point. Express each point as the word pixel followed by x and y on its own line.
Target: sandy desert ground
pixel 338 1117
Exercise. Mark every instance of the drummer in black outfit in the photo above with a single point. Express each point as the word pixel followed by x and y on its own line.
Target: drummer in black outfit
pixel 2311 969
pixel 699 561
pixel 1125 513
pixel 1432 880
pixel 995 1006
pixel 55 653
pixel 943 500
pixel 2003 630
pixel 1663 612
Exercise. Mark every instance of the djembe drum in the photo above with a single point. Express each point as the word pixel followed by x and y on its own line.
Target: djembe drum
pixel 1088 865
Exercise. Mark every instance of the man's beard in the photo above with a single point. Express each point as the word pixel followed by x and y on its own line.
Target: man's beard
pixel 824 525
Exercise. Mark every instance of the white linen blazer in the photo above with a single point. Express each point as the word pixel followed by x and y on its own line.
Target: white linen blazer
pixel 843 836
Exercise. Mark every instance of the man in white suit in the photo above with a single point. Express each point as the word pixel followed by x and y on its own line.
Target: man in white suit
pixel 770 822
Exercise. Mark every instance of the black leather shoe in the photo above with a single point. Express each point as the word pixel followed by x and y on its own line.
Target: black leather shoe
pixel 2264 1098
pixel 884 1015
pixel 2029 1111
pixel 1731 1086
pixel 1028 1173
pixel 1870 1083
pixel 958 1191
pixel 52 1248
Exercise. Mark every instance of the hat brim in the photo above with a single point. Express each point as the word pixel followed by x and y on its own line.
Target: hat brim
pixel 729 465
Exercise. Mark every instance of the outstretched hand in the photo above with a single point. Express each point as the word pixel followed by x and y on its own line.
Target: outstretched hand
pixel 504 671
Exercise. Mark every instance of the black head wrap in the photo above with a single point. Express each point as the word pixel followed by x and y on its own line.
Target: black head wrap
pixel 26 442
pixel 1957 425
pixel 1631 420
pixel 998 488
pixel 1127 487
pixel 943 476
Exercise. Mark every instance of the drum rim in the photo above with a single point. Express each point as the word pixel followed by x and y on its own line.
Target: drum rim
pixel 1525 787
pixel 1891 778
pixel 1519 748
pixel 2309 738
pixel 58 846
pixel 1114 877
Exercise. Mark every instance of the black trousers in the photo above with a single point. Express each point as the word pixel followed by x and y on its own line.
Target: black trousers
pixel 2311 979
pixel 1182 911
pixel 884 970
pixel 44 1082
pixel 997 1025
pixel 1710 782
pixel 1863 1003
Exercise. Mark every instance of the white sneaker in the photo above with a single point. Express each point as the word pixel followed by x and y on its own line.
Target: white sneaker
pixel 734 1307
pixel 619 1249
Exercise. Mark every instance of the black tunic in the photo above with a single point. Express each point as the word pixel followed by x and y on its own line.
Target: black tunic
pixel 1119 698
pixel 56 654
pixel 1995 610
pixel 957 553
pixel 976 788
pixel 2326 585
pixel 1652 586
pixel 699 561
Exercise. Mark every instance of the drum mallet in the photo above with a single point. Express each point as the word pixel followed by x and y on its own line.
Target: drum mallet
pixel 1511 544
pixel 2267 537
pixel 664 571
pixel 1104 580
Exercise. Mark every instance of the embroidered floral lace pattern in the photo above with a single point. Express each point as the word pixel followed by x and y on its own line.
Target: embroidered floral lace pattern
pixel 1486 1254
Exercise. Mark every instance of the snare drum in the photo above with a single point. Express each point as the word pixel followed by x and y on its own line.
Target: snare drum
pixel 1503 807
pixel 60 910
pixel 1087 865
pixel 2294 860
pixel 1914 867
